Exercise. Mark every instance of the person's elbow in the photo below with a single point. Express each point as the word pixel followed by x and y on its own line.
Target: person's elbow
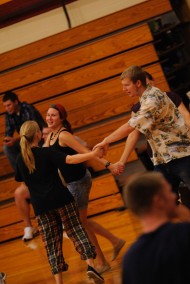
pixel 69 159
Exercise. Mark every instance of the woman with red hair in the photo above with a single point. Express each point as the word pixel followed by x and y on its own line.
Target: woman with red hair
pixel 78 179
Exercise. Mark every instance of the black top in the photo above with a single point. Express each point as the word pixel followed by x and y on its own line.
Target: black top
pixel 46 189
pixel 159 257
pixel 175 98
pixel 69 172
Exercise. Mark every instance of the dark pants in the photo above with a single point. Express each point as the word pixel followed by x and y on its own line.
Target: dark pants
pixel 12 153
pixel 176 171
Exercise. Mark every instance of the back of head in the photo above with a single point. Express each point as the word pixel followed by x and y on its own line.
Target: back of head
pixel 140 190
pixel 10 96
pixel 134 73
pixel 149 79
pixel 148 76
pixel 28 131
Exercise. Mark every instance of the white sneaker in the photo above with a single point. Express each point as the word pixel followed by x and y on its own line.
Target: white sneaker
pixel 29 233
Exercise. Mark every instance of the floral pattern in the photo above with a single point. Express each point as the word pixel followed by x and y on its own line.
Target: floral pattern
pixel 163 125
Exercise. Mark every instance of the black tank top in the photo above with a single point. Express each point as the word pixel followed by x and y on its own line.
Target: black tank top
pixel 69 172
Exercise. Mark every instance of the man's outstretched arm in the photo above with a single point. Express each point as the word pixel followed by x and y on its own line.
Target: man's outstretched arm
pixel 129 147
pixel 122 132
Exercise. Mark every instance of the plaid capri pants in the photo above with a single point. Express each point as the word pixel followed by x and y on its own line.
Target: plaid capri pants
pixel 50 227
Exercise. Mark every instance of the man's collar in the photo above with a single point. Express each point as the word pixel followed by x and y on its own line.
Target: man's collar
pixel 18 111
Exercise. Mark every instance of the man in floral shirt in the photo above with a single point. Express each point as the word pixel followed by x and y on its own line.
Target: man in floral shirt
pixel 162 124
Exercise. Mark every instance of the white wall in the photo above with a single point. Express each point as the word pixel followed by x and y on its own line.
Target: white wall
pixel 53 22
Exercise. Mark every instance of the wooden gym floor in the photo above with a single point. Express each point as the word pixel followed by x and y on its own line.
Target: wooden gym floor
pixel 26 263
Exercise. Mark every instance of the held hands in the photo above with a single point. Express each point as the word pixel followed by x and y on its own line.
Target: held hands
pixel 102 145
pixel 117 168
pixel 98 152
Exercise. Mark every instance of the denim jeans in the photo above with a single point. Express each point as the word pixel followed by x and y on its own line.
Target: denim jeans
pixel 12 153
pixel 176 171
pixel 80 190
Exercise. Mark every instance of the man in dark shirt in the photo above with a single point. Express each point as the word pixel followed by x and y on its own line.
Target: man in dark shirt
pixel 16 114
pixel 162 253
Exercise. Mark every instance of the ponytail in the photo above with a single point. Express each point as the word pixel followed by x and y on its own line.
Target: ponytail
pixel 67 125
pixel 27 135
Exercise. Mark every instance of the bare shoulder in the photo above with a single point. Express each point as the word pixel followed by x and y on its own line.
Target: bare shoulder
pixel 66 137
pixel 65 134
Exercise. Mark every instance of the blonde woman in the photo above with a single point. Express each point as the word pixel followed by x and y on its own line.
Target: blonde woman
pixel 53 204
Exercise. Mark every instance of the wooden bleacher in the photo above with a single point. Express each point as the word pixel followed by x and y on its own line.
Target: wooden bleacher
pixel 88 31
pixel 81 77
pixel 82 73
pixel 76 75
pixel 80 56
pixel 100 201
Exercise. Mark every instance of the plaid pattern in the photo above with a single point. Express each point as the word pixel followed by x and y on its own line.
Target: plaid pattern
pixel 50 227
pixel 13 121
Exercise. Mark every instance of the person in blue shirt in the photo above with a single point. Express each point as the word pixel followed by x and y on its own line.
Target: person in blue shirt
pixel 16 114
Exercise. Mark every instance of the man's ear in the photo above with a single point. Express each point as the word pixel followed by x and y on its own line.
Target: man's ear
pixel 138 83
pixel 157 201
pixel 16 102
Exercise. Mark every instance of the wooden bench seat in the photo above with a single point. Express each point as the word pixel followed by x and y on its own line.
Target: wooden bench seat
pixel 87 31
pixel 101 187
pixel 75 58
pixel 105 204
pixel 7 188
pixel 10 214
pixel 5 167
pixel 97 133
pixel 102 205
pixel 86 75
pixel 96 94
pixel 13 231
pixel 104 196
